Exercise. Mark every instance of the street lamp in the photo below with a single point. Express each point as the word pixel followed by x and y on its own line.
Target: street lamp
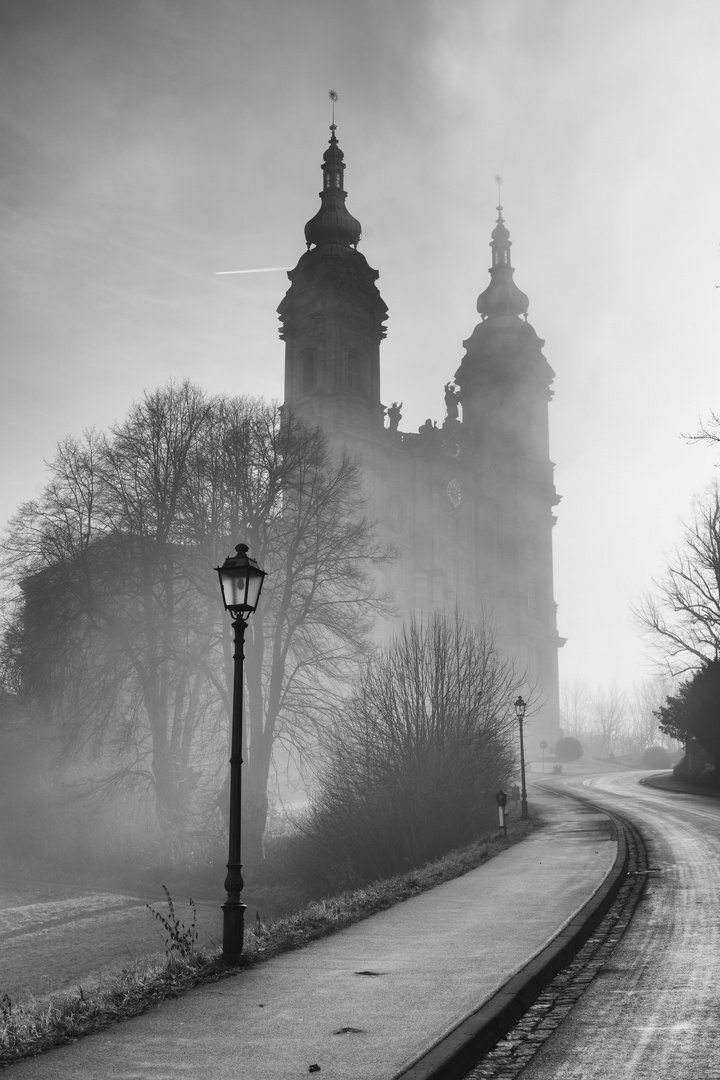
pixel 520 707
pixel 240 582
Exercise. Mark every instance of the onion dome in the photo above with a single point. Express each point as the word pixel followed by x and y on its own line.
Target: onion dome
pixel 502 296
pixel 333 223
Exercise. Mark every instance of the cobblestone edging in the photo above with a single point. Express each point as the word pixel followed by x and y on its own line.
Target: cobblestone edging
pixel 499 1040
pixel 509 1056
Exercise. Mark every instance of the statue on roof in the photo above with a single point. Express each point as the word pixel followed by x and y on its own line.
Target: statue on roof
pixel 394 415
pixel 452 401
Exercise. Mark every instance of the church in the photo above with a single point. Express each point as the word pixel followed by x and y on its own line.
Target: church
pixel 469 505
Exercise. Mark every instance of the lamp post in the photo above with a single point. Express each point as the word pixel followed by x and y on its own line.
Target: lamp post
pixel 240 583
pixel 520 707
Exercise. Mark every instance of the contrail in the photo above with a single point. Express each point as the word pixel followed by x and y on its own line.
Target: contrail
pixel 257 270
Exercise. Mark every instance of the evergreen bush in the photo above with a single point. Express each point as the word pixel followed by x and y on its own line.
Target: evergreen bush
pixel 568 749
pixel 656 757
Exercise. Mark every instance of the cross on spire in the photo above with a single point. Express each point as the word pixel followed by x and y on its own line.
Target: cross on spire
pixel 498 181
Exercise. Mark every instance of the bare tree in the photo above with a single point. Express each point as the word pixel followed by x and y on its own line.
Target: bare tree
pixel 614 720
pixel 642 729
pixel 112 631
pixel 117 608
pixel 608 716
pixel 682 616
pixel 414 760
pixel 271 478
pixel 708 432
pixel 575 706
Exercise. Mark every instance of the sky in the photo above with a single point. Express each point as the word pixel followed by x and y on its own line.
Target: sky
pixel 149 144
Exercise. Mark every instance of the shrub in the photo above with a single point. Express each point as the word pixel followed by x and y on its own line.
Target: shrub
pixel 656 757
pixel 568 749
pixel 412 766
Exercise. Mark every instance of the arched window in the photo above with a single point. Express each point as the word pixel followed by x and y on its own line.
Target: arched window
pixel 356 372
pixel 308 370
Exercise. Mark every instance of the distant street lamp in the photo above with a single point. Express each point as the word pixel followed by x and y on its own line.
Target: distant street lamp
pixel 520 707
pixel 240 582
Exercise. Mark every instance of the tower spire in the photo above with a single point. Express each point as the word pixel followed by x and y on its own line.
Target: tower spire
pixel 332 316
pixel 502 296
pixel 333 223
pixel 498 181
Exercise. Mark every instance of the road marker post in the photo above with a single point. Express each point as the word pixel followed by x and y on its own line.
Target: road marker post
pixel 501 800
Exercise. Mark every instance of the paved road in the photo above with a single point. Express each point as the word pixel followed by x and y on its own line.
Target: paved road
pixel 368 1001
pixel 654 1011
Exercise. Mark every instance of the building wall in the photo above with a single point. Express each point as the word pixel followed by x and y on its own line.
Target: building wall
pixel 469 505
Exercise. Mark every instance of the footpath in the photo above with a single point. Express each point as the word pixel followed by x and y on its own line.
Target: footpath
pixel 391 996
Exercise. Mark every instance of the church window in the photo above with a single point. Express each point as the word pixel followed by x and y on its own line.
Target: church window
pixel 308 371
pixel 356 381
pixel 395 510
pixel 456 577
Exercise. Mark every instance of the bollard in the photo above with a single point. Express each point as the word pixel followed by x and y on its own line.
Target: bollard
pixel 501 800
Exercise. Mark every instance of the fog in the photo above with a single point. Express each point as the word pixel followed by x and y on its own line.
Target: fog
pixel 148 147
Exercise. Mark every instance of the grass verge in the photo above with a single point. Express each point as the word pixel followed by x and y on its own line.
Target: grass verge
pixel 29 1028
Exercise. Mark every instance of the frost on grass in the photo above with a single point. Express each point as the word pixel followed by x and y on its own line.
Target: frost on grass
pixel 180 940
pixel 40 1024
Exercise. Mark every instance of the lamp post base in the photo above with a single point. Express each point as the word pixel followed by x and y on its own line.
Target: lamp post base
pixel 233 930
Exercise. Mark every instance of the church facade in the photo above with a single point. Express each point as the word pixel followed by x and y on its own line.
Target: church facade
pixel 469 505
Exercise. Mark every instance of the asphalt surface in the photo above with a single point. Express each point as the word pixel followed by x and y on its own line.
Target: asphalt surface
pixel 371 1001
pixel 654 1010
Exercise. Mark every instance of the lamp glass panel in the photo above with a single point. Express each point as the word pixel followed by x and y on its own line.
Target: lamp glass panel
pixel 255 580
pixel 234 588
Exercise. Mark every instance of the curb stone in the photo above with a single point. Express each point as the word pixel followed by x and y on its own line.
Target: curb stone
pixel 458 1052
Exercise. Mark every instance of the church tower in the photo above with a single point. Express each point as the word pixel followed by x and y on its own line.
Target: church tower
pixel 504 382
pixel 467 502
pixel 332 319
